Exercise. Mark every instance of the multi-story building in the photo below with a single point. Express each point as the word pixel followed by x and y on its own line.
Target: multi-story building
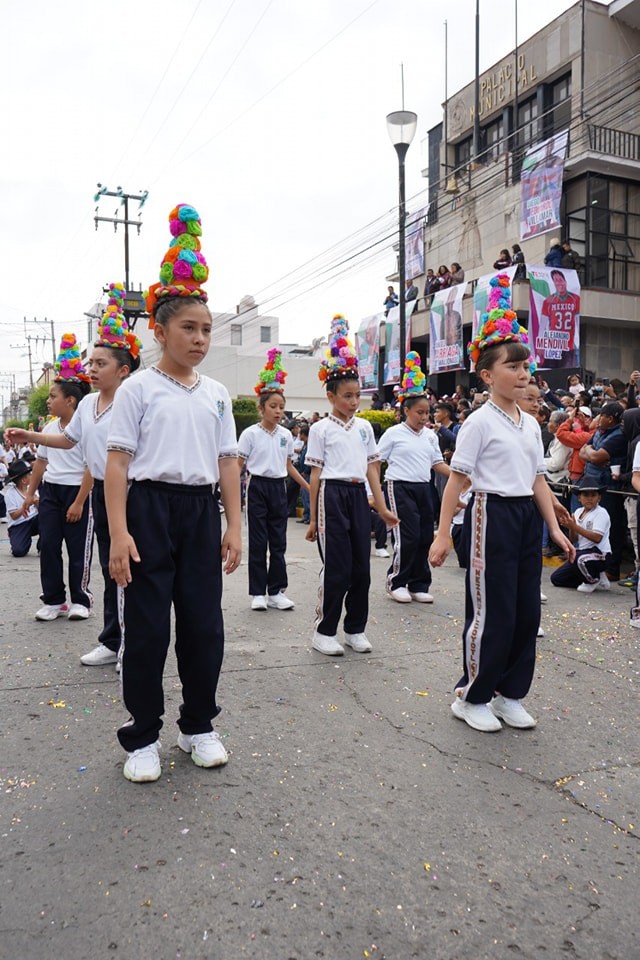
pixel 580 74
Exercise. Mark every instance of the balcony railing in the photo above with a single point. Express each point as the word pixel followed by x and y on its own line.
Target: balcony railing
pixel 615 143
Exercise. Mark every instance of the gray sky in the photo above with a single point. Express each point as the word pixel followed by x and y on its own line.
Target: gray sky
pixel 267 115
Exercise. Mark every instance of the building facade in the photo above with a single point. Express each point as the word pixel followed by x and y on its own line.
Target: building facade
pixel 578 74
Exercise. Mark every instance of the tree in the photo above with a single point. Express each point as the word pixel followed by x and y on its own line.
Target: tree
pixel 37 402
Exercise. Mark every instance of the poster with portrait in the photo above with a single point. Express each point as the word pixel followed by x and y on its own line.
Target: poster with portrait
pixel 392 371
pixel 368 349
pixel 541 186
pixel 445 330
pixel 414 243
pixel 554 317
pixel 481 297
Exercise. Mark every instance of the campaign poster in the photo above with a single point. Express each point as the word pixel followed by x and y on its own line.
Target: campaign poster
pixel 414 244
pixel 481 297
pixel 445 330
pixel 392 371
pixel 368 348
pixel 554 317
pixel 541 186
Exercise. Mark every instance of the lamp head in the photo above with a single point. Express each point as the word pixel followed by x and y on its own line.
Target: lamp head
pixel 401 127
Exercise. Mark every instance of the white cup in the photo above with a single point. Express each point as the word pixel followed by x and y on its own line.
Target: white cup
pixel 615 471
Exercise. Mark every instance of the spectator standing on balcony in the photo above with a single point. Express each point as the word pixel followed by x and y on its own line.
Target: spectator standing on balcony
pixel 554 256
pixel 457 273
pixel 411 292
pixel 503 261
pixel 443 279
pixel 518 258
pixel 391 300
pixel 570 259
pixel 431 283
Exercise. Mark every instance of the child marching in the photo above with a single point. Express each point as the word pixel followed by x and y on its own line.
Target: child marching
pixel 411 451
pixel 342 454
pixel 266 448
pixel 500 447
pixel 171 443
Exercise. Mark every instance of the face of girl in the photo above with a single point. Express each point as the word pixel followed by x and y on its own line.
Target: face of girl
pixel 508 379
pixel 186 338
pixel 417 414
pixel 346 400
pixel 105 371
pixel 57 404
pixel 272 410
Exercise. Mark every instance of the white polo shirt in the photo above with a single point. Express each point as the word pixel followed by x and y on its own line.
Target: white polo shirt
pixel 173 433
pixel 266 452
pixel 13 501
pixel 66 467
pixel 343 451
pixel 502 456
pixel 91 429
pixel 597 520
pixel 410 455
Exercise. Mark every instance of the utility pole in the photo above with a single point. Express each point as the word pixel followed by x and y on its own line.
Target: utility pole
pixel 134 303
pixel 26 346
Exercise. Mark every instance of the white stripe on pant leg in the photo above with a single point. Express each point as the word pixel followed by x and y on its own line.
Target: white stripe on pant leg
pixel 121 602
pixel 477 587
pixel 322 537
pixel 582 561
pixel 395 537
pixel 86 567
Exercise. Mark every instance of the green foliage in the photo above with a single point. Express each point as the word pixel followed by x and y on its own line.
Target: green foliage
pixel 244 405
pixel 21 424
pixel 244 420
pixel 386 418
pixel 38 402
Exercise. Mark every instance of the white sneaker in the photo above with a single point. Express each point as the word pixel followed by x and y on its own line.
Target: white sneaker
pixel 587 587
pixel 327 645
pixel 543 597
pixel 540 632
pixel 421 597
pixel 358 642
pixel 205 748
pixel 400 594
pixel 634 618
pixel 280 602
pixel 603 583
pixel 143 765
pixel 382 552
pixel 512 712
pixel 99 656
pixel 259 603
pixel 476 715
pixel 51 611
pixel 77 611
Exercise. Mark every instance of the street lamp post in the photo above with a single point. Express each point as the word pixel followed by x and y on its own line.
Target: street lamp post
pixel 401 126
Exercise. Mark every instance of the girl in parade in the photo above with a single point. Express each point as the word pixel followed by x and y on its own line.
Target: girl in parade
pixel 171 445
pixel 267 450
pixel 64 509
pixel 116 354
pixel 500 447
pixel 342 454
pixel 411 451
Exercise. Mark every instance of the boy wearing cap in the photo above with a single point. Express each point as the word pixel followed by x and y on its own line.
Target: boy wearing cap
pixel 589 526
pixel 22 527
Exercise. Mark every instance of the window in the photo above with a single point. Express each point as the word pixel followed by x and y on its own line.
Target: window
pixel 559 104
pixel 236 334
pixel 463 152
pixel 527 127
pixel 265 334
pixel 493 137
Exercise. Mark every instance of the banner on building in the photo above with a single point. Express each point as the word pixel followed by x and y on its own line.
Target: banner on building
pixel 481 297
pixel 554 317
pixel 541 186
pixel 446 350
pixel 414 243
pixel 368 348
pixel 392 371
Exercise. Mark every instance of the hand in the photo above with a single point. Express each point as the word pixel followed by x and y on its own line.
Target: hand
pixel 635 377
pixel 562 514
pixel 439 551
pixel 389 518
pixel 564 543
pixel 28 503
pixel 123 549
pixel 312 532
pixel 74 513
pixel 16 435
pixel 231 550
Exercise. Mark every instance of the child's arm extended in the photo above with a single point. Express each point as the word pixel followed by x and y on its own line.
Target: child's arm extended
pixel 544 501
pixel 123 547
pixel 230 495
pixel 57 440
pixel 314 489
pixel 442 544
pixel 373 476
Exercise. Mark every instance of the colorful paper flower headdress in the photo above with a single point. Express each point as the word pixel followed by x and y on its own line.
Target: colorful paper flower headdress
pixel 68 366
pixel 341 361
pixel 183 269
pixel 500 322
pixel 414 382
pixel 272 377
pixel 113 330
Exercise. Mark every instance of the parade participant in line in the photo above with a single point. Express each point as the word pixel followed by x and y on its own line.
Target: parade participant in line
pixel 589 527
pixel 500 447
pixel 116 354
pixel 412 452
pixel 266 448
pixel 342 454
pixel 171 442
pixel 64 510
pixel 22 528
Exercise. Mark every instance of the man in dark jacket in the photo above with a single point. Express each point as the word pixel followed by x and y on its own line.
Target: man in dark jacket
pixel 570 258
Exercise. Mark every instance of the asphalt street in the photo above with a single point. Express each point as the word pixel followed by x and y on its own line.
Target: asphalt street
pixel 356 818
